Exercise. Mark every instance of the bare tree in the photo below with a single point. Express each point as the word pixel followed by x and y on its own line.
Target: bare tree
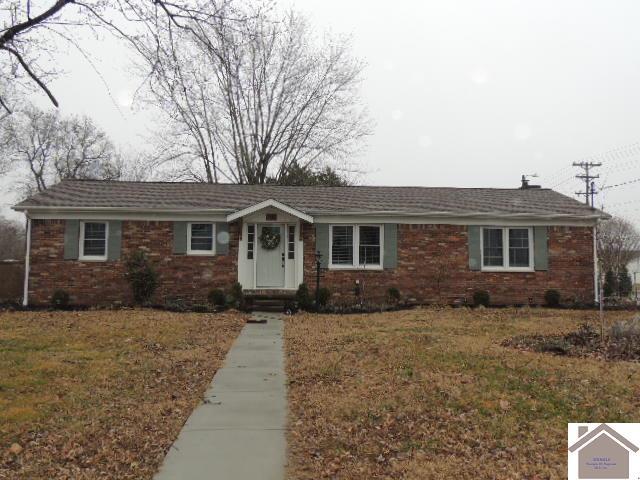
pixel 49 148
pixel 11 240
pixel 248 102
pixel 30 34
pixel 618 244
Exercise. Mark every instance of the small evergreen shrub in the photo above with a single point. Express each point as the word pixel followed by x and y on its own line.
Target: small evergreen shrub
pixel 610 286
pixel 142 277
pixel 236 297
pixel 324 294
pixel 625 284
pixel 481 297
pixel 552 298
pixel 217 297
pixel 393 294
pixel 60 299
pixel 303 298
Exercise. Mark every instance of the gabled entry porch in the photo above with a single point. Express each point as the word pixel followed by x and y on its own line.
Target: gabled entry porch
pixel 270 253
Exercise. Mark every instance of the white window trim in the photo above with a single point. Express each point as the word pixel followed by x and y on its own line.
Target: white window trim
pixel 94 258
pixel 505 250
pixel 356 250
pixel 213 243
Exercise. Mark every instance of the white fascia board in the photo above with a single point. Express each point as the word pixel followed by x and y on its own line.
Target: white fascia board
pixel 269 203
pixel 222 215
pixel 497 219
pixel 125 214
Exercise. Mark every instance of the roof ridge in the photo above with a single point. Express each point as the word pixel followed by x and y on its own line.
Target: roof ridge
pixel 260 185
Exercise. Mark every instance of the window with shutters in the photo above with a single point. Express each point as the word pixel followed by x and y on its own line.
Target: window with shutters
pixel 93 240
pixel 201 239
pixel 356 246
pixel 507 248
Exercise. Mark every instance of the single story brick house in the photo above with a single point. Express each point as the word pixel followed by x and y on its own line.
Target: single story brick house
pixel 432 244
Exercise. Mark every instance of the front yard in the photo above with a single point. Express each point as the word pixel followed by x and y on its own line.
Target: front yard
pixel 433 394
pixel 102 394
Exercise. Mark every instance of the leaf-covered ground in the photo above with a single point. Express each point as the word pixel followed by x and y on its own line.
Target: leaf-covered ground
pixel 102 394
pixel 432 394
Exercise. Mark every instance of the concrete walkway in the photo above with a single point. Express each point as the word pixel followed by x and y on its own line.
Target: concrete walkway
pixel 239 430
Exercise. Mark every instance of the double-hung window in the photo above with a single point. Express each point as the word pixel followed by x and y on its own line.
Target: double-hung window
pixel 356 246
pixel 93 240
pixel 507 248
pixel 201 239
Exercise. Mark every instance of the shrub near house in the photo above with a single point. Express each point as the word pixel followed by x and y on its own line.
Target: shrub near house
pixel 431 244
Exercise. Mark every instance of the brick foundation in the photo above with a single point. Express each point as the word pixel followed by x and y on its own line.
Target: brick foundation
pixel 433 267
pixel 101 283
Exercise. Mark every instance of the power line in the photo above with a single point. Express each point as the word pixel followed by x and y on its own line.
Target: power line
pixel 562 182
pixel 590 187
pixel 607 187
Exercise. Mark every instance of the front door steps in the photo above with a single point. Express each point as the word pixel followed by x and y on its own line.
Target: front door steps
pixel 269 300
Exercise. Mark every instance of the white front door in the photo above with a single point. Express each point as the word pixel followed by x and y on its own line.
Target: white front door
pixel 270 261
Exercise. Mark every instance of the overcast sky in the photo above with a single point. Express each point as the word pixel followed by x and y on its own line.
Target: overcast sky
pixel 463 93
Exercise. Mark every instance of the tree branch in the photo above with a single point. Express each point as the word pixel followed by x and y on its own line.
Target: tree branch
pixel 33 76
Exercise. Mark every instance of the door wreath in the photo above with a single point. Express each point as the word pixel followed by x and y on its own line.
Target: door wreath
pixel 270 238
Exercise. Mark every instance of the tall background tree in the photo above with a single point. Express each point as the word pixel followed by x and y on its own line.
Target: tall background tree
pixel 618 245
pixel 44 147
pixel 11 240
pixel 32 33
pixel 252 102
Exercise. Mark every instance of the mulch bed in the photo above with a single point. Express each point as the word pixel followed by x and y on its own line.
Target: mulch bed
pixel 583 342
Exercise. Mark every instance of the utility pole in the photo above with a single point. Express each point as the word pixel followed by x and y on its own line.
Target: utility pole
pixel 589 192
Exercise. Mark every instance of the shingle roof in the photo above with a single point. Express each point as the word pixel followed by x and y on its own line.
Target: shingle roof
pixel 95 194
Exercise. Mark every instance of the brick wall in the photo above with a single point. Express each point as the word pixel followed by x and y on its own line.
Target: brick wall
pixel 433 268
pixel 100 283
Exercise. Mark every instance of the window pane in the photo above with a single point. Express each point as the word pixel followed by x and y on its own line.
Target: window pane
pixel 95 230
pixel 251 231
pixel 201 244
pixel 291 242
pixel 202 236
pixel 201 230
pixel 94 248
pixel 342 245
pixel 369 251
pixel 95 235
pixel 518 247
pixel 492 247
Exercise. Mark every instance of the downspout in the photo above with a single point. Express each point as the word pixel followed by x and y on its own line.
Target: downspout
pixel 596 282
pixel 27 254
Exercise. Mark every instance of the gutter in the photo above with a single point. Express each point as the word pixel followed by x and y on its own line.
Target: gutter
pixel 25 208
pixel 227 212
pixel 27 266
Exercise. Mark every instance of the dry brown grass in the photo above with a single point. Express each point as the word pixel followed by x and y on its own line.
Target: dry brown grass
pixel 102 394
pixel 431 394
